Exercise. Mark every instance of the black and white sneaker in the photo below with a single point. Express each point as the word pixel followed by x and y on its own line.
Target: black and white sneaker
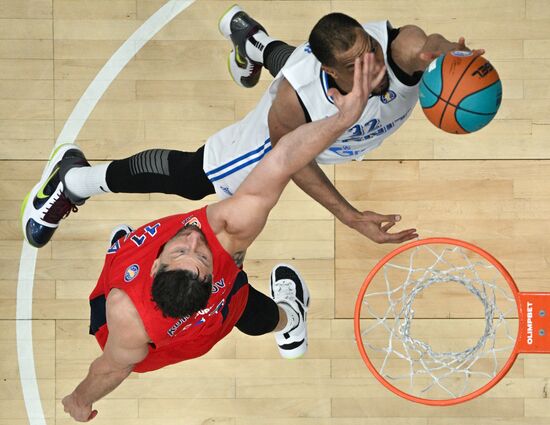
pixel 119 232
pixel 242 75
pixel 237 26
pixel 48 202
pixel 289 290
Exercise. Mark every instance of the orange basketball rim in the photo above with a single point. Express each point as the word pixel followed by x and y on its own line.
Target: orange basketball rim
pixel 394 346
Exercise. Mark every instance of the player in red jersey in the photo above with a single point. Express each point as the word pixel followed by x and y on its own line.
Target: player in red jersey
pixel 173 288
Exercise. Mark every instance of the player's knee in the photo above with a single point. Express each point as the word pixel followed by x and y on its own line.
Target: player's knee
pixel 188 178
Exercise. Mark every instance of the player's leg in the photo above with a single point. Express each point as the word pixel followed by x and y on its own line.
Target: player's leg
pixel 68 181
pixel 252 47
pixel 260 316
pixel 155 171
pixel 275 56
pixel 151 171
pixel 285 313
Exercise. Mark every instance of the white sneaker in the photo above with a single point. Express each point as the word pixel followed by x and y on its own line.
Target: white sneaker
pixel 244 73
pixel 119 232
pixel 289 290
pixel 236 25
pixel 49 201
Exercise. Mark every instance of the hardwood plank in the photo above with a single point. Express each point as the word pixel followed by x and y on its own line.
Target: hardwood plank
pixel 26 49
pixel 26 9
pixel 103 9
pixel 403 408
pixel 26 29
pixel 290 407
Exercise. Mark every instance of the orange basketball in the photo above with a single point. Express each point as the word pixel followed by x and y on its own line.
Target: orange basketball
pixel 460 93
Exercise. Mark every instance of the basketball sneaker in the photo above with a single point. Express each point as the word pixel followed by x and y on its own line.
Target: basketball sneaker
pixel 288 289
pixel 242 75
pixel 48 202
pixel 119 232
pixel 237 26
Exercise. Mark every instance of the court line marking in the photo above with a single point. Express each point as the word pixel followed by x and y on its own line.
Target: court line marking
pixel 69 133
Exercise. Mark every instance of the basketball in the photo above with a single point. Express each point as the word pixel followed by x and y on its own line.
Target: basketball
pixel 460 93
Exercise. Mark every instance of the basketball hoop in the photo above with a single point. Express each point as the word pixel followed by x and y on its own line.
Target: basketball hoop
pixel 421 368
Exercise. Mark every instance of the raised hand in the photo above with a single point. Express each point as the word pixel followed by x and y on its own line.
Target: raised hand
pixel 376 227
pixel 366 77
pixel 428 56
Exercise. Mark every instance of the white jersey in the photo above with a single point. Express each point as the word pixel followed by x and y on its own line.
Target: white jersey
pixel 232 153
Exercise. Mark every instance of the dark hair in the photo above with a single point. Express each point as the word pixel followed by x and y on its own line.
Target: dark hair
pixel 179 293
pixel 333 33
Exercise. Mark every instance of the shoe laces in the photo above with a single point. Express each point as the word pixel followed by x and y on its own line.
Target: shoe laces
pixel 247 66
pixel 254 68
pixel 59 208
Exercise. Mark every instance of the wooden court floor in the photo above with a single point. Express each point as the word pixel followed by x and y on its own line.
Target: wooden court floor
pixel 490 188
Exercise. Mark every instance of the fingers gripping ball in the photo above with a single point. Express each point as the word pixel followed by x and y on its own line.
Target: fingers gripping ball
pixel 460 92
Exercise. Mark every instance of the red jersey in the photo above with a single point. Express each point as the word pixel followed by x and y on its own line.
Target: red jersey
pixel 128 267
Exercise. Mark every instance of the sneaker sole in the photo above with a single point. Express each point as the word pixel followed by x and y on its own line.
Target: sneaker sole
pixel 224 24
pixel 306 291
pixel 297 352
pixel 294 354
pixel 32 193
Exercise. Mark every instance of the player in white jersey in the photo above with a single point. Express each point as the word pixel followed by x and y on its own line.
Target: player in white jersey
pixel 298 95
pixel 230 153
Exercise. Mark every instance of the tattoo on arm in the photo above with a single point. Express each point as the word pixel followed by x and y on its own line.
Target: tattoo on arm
pixel 238 257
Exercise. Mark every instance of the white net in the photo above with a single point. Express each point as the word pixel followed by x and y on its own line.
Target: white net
pixel 465 328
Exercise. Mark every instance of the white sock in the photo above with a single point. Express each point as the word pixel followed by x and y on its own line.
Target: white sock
pixel 256 45
pixel 87 181
pixel 292 318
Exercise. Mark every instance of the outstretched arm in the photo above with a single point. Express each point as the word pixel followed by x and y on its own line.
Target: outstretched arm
pixel 285 115
pixel 126 346
pixel 243 216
